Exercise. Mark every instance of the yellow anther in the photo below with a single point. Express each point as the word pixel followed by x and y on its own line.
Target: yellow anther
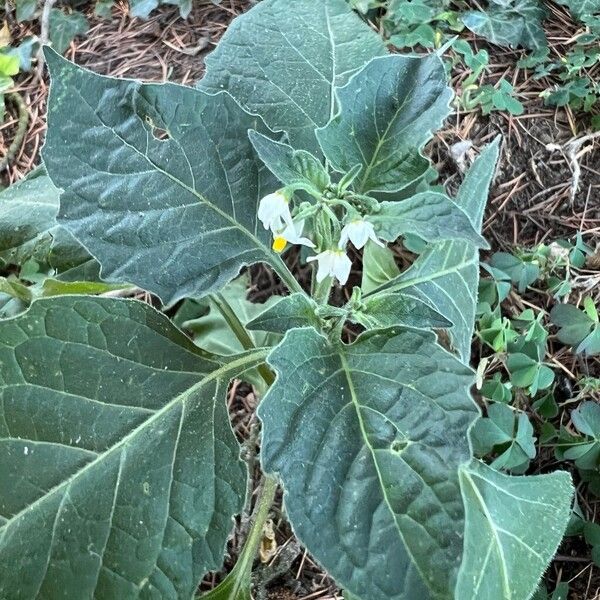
pixel 279 244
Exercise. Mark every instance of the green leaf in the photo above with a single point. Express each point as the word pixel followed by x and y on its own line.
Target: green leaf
pixel 9 65
pixel 283 61
pixel 586 454
pixel 28 227
pixel 526 372
pixel 296 169
pixel 120 470
pixel 143 8
pixel 388 112
pixel 582 8
pixel 522 272
pixel 577 328
pixel 503 432
pixel 25 9
pixel 513 528
pixel 515 23
pixel 446 275
pixel 296 310
pixel 497 390
pixel 378 267
pixel 390 309
pixel 345 428
pixel 431 216
pixel 165 214
pixel 64 27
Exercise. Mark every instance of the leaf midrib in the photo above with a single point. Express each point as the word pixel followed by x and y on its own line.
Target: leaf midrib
pixel 202 200
pixel 228 370
pixel 495 539
pixel 357 408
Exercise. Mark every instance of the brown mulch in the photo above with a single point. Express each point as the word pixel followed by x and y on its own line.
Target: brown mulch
pixel 531 203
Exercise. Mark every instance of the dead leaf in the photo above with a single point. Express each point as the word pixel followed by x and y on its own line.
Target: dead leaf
pixel 268 544
pixel 5 37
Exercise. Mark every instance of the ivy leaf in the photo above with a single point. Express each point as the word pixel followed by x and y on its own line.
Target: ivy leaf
pixel 296 310
pixel 582 8
pixel 387 114
pixel 143 8
pixel 28 227
pixel 403 439
pixel 175 216
pixel 113 485
pixel 283 61
pixel 446 274
pixel 430 215
pixel 65 27
pixel 296 169
pixel 515 23
pixel 378 267
pixel 25 9
pixel 513 528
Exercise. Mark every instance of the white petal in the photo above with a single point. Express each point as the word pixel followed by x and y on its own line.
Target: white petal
pixel 344 237
pixel 293 234
pixel 341 267
pixel 274 211
pixel 324 264
pixel 359 234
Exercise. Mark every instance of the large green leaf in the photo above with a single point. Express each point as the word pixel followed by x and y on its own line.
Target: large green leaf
pixel 430 215
pixel 283 61
pixel 28 227
pixel 120 473
pixel 513 528
pixel 176 216
pixel 513 23
pixel 367 440
pixel 387 113
pixel 446 275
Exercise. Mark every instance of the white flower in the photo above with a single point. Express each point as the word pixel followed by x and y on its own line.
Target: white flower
pixel 292 234
pixel 359 232
pixel 274 212
pixel 332 263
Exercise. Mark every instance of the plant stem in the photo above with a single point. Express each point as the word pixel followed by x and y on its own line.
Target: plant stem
pixel 240 332
pixel 286 275
pixel 23 121
pixel 265 499
pixel 266 495
pixel 322 290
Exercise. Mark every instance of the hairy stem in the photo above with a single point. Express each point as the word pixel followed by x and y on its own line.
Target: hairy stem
pixel 268 489
pixel 265 499
pixel 23 117
pixel 322 290
pixel 240 332
pixel 286 275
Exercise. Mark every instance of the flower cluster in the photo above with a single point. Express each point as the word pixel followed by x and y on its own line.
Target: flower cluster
pixel 275 214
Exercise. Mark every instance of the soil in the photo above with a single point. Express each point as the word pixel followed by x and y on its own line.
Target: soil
pixel 532 201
